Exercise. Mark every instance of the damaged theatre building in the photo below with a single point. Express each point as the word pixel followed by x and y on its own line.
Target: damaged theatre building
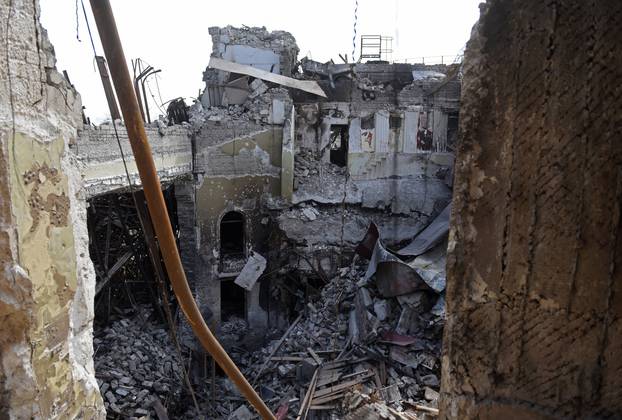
pixel 366 240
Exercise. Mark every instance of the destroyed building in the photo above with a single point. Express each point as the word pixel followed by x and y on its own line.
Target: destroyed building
pixel 315 208
pixel 373 143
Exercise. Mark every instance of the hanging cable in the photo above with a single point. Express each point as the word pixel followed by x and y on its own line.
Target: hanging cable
pixel 154 98
pixel 88 28
pixel 157 76
pixel 77 23
pixel 356 9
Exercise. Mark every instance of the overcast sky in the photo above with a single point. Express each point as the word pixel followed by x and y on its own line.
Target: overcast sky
pixel 173 35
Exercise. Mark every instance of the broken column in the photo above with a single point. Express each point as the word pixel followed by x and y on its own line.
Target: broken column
pixel 534 271
pixel 47 281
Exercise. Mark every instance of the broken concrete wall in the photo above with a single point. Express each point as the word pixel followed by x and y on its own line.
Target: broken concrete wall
pixel 534 323
pixel 275 52
pixel 102 164
pixel 47 281
pixel 387 120
pixel 236 174
pixel 387 167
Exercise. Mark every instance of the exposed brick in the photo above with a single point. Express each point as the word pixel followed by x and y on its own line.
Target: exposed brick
pixel 534 275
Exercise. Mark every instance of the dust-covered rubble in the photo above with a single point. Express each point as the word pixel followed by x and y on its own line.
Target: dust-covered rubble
pixel 136 366
pixel 392 361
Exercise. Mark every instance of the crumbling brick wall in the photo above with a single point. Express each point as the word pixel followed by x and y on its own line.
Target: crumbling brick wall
pixel 535 264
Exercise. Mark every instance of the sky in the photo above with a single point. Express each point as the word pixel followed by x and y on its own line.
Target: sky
pixel 173 36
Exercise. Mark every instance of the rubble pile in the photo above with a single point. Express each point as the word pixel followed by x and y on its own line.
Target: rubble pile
pixel 199 114
pixel 321 181
pixel 260 103
pixel 136 366
pixel 352 337
pixel 307 164
pixel 282 43
pixel 258 107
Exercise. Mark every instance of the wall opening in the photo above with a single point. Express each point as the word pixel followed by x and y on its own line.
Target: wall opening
pixel 125 276
pixel 339 145
pixel 131 340
pixel 232 234
pixel 232 300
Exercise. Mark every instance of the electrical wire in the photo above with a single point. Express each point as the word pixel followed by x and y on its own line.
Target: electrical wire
pixel 88 28
pixel 356 9
pixel 154 98
pixel 77 23
pixel 157 76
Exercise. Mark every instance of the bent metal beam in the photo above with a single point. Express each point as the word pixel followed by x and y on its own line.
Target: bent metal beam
pixel 155 201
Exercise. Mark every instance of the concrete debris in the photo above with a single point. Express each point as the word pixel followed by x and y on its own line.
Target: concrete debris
pixel 374 406
pixel 419 75
pixel 258 88
pixel 252 270
pixel 236 92
pixel 316 353
pixel 274 51
pixel 136 365
pixel 242 413
pixel 310 213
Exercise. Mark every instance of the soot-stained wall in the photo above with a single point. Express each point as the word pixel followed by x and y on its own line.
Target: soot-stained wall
pixel 534 303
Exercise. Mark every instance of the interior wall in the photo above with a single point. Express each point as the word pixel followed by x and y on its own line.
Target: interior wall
pixel 47 281
pixel 535 264
pixel 240 174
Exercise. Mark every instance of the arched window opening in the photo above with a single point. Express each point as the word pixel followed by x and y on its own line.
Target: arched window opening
pixel 232 234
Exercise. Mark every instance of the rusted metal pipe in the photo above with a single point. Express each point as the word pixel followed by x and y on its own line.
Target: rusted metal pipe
pixel 155 200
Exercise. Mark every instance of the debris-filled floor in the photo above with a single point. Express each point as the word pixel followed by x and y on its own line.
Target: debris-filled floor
pixel 313 231
pixel 313 217
pixel 136 365
pixel 312 366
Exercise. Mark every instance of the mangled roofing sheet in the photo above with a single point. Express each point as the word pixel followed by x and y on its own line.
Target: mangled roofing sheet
pixel 430 236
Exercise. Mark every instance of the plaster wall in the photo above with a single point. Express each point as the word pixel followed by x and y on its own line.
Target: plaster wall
pixel 47 281
pixel 240 174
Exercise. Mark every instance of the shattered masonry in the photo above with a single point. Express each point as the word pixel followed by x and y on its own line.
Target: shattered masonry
pixel 397 128
pixel 316 206
pixel 297 159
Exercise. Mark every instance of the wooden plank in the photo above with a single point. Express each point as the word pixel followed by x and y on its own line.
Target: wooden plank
pixel 338 377
pixel 117 265
pixel 160 410
pixel 315 356
pixel 430 410
pixel 343 385
pixel 276 348
pixel 328 398
pixel 304 406
pixel 288 359
pixel 323 407
pixel 340 363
